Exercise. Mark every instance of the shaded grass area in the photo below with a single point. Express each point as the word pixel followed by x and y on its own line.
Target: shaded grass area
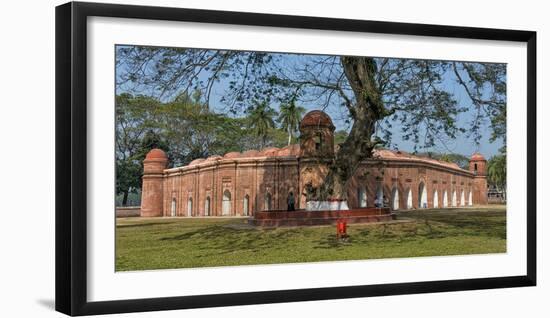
pixel 156 243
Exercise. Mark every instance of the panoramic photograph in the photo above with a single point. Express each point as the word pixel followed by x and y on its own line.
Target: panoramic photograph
pixel 229 158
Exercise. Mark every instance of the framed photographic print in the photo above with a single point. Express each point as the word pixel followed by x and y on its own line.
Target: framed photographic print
pixel 208 158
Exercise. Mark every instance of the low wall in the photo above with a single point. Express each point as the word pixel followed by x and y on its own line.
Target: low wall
pixel 128 211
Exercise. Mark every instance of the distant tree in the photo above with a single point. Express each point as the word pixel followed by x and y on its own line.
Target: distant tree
pixel 289 118
pixel 261 120
pixel 134 117
pixel 496 173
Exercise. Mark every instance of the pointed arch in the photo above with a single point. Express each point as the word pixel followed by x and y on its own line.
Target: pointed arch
pixel 436 199
pixel 379 195
pixel 173 207
pixel 453 198
pixel 190 207
pixel 226 203
pixel 267 202
pixel 395 198
pixel 207 206
pixel 409 199
pixel 246 205
pixel 462 198
pixel 362 197
pixel 445 199
pixel 422 196
pixel 470 201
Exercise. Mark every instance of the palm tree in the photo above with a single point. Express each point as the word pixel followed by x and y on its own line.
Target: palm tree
pixel 260 120
pixel 289 118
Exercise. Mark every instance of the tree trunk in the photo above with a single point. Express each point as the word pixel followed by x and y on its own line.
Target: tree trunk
pixel 125 198
pixel 358 146
pixel 289 136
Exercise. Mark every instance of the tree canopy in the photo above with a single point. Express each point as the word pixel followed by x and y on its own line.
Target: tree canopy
pixel 371 94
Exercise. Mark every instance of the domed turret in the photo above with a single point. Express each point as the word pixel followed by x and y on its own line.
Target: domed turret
pixel 478 164
pixel 152 190
pixel 317 135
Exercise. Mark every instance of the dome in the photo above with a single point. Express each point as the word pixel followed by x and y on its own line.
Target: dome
pixel 232 155
pixel 269 152
pixel 316 118
pixel 156 154
pixel 250 153
pixel 477 157
pixel 196 161
pixel 214 158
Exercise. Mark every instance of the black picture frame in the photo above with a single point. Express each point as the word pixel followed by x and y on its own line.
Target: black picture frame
pixel 71 157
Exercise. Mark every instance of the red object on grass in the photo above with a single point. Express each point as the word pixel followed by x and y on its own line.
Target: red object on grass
pixel 341 228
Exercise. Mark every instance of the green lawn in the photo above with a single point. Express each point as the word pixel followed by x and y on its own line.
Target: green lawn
pixel 158 243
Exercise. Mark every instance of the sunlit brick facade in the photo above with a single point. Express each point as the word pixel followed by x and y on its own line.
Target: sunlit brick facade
pixel 239 184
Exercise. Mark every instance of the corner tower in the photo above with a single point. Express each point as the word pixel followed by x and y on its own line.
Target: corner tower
pixel 478 166
pixel 152 191
pixel 316 135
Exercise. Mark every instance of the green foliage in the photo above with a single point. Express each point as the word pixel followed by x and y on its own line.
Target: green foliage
pixel 340 136
pixel 496 171
pixel 261 120
pixel 461 160
pixel 289 118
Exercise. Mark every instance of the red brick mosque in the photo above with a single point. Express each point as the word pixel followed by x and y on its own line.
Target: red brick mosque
pixel 243 184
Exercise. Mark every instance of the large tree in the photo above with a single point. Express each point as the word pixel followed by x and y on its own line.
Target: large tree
pixel 372 94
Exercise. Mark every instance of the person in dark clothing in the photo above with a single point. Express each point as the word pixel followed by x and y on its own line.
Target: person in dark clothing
pixel 290 202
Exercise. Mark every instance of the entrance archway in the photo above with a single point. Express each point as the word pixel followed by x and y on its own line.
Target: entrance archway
pixel 362 197
pixel 422 196
pixel 173 208
pixel 190 207
pixel 436 199
pixel 445 199
pixel 409 199
pixel 207 206
pixel 267 202
pixel 245 205
pixel 462 199
pixel 453 199
pixel 226 203
pixel 395 199
pixel 470 201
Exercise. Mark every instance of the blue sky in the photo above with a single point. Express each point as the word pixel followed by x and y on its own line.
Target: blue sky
pixel 463 144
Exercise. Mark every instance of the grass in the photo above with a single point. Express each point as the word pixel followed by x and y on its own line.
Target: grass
pixel 161 243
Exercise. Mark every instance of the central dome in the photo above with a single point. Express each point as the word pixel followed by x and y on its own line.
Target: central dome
pixel 316 118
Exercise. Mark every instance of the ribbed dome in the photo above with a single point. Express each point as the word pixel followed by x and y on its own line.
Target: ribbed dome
pixel 477 157
pixel 156 154
pixel 316 118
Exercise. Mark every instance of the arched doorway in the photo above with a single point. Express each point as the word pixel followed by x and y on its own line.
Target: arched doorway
pixel 436 199
pixel 380 195
pixel 422 196
pixel 445 199
pixel 190 207
pixel 173 208
pixel 207 206
pixel 470 201
pixel 453 199
pixel 245 205
pixel 226 203
pixel 362 197
pixel 409 199
pixel 395 199
pixel 462 199
pixel 267 202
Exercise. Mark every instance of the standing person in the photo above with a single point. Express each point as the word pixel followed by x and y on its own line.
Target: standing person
pixel 386 202
pixel 290 202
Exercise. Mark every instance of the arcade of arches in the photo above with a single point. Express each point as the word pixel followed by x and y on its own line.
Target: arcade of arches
pixel 240 184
